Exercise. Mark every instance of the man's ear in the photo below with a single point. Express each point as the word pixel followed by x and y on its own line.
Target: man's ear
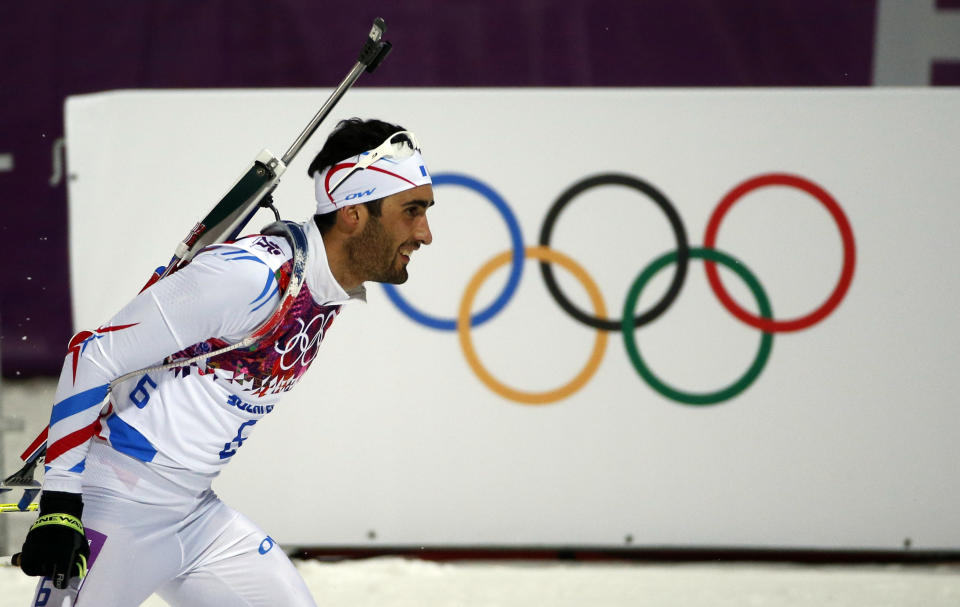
pixel 351 218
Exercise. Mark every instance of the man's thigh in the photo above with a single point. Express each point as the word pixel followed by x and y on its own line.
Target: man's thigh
pixel 241 566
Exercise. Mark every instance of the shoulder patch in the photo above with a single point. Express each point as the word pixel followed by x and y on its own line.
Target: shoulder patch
pixel 268 244
pixel 273 251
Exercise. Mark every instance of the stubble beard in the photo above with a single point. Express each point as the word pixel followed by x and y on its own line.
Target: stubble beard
pixel 374 256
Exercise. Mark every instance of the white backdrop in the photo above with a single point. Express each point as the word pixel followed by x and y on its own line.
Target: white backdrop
pixel 846 439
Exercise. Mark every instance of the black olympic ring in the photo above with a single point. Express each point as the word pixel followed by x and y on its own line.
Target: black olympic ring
pixel 679 233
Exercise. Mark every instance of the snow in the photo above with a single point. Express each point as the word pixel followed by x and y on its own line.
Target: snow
pixel 399 582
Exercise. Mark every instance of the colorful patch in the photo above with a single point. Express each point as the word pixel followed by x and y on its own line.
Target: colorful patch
pixel 277 361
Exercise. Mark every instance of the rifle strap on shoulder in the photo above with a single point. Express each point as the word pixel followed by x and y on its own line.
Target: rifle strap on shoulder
pixel 298 242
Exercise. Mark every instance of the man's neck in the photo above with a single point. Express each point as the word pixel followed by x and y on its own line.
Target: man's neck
pixel 339 262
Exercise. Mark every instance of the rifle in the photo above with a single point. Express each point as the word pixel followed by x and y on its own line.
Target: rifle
pixel 252 191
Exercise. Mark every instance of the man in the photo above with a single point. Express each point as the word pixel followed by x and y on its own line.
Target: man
pixel 130 462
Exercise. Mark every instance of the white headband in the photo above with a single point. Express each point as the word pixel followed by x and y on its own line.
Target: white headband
pixel 385 170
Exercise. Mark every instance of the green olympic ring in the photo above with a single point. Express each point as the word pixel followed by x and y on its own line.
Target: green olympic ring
pixel 688 398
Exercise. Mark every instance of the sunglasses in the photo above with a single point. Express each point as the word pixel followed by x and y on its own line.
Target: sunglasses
pixel 399 146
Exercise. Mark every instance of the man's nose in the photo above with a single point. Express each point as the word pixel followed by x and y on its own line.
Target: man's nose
pixel 423 233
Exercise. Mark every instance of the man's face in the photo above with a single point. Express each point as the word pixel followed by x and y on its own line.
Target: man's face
pixel 381 251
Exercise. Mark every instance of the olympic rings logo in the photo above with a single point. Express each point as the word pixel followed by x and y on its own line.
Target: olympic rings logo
pixel 630 320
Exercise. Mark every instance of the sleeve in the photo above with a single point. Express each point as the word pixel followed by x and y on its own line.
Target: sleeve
pixel 225 293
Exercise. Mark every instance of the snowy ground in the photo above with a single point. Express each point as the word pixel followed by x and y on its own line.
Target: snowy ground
pixel 396 582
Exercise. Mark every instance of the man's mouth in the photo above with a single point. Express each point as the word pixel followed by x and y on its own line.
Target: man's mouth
pixel 406 252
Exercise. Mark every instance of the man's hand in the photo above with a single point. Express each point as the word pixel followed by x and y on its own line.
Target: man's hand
pixel 56 546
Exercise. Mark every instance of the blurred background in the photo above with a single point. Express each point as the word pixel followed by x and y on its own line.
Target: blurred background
pixel 55 49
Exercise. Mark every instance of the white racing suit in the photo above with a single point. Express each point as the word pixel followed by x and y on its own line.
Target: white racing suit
pixel 145 460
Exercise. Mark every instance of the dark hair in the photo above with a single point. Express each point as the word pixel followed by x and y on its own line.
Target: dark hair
pixel 349 138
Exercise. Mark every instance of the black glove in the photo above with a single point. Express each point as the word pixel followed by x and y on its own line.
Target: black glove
pixel 56 546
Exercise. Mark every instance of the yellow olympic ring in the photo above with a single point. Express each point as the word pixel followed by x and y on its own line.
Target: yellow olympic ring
pixel 463 328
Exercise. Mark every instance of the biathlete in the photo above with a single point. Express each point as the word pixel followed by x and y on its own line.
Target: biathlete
pixel 127 508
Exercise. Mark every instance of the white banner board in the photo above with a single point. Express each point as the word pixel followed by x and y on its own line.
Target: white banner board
pixel 830 424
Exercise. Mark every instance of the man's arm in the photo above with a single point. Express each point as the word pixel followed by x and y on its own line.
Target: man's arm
pixel 223 293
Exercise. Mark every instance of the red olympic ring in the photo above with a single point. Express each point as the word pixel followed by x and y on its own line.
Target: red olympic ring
pixel 846 234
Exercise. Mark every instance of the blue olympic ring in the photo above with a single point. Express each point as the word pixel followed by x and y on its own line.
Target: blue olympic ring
pixel 516 269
